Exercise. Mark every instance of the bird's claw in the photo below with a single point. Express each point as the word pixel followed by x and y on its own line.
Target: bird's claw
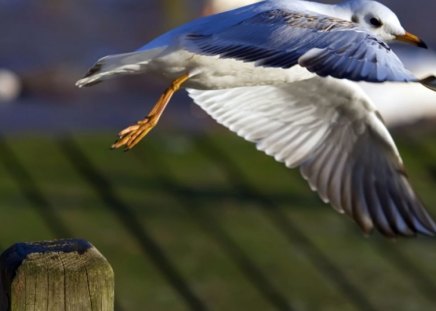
pixel 132 135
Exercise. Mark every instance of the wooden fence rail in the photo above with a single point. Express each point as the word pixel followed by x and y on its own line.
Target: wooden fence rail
pixel 55 275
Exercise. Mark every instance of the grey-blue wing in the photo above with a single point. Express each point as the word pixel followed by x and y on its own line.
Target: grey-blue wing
pixel 324 45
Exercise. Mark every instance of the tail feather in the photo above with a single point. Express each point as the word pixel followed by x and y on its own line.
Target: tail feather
pixel 115 65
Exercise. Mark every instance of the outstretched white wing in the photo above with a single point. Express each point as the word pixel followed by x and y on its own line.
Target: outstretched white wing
pixel 330 129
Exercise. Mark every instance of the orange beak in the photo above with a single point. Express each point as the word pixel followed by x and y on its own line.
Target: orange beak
pixel 412 39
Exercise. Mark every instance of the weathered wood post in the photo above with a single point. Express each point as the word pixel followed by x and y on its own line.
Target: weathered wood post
pixel 55 275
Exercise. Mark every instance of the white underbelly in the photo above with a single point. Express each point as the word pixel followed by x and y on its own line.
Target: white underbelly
pixel 212 72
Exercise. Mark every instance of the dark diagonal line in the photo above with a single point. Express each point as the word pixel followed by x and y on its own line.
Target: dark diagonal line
pixel 288 228
pixel 31 191
pixel 149 246
pixel 215 231
pixel 421 280
pixel 215 193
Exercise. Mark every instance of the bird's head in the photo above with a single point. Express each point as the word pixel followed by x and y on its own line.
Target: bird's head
pixel 380 21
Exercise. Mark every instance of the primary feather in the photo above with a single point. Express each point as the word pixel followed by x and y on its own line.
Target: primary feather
pixel 331 130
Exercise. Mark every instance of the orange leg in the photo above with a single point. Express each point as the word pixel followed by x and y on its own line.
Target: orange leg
pixel 132 135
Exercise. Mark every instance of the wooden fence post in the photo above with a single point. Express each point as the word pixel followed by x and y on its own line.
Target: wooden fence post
pixel 55 275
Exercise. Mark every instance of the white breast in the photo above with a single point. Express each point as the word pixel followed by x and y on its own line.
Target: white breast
pixel 211 72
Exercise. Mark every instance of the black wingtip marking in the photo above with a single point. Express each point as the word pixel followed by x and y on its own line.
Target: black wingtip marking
pixel 91 83
pixel 429 82
pixel 95 69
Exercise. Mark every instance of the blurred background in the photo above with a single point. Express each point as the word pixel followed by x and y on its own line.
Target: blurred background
pixel 194 218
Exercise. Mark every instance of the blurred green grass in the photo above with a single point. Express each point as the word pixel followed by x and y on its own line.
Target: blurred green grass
pixel 241 231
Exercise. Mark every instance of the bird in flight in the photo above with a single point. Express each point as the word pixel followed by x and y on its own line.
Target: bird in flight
pixel 399 103
pixel 280 74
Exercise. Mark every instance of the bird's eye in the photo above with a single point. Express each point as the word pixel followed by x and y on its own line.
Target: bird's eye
pixel 375 22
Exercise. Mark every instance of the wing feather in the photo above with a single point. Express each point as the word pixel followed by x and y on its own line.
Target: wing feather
pixel 327 46
pixel 330 129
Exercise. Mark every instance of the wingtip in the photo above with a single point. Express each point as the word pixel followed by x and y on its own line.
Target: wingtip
pixel 85 82
pixel 91 76
pixel 79 84
pixel 428 227
pixel 429 82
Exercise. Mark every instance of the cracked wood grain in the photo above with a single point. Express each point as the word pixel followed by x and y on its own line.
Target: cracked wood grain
pixel 64 275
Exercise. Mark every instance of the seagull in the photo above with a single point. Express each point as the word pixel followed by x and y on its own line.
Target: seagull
pixel 280 74
pixel 399 104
